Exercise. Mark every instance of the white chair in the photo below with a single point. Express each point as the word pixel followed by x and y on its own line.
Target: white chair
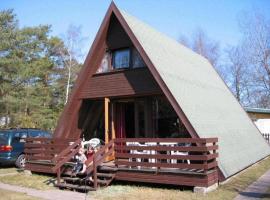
pixel 94 142
pixel 134 151
pixel 151 152
pixel 170 144
pixel 180 153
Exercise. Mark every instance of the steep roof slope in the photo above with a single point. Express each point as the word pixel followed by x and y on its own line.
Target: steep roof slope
pixel 204 98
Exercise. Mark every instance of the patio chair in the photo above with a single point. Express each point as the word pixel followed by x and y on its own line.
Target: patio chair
pixel 151 152
pixel 180 153
pixel 136 151
pixel 170 144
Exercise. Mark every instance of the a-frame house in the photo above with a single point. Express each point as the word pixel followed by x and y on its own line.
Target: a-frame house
pixel 153 102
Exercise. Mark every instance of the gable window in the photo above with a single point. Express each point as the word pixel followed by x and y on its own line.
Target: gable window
pixel 105 64
pixel 137 61
pixel 121 58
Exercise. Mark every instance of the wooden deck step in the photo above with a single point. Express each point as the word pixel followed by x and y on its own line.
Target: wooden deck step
pixel 76 187
pixel 108 169
pixel 70 164
pixel 72 179
pixel 105 175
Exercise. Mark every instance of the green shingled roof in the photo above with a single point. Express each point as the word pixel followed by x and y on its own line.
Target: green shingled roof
pixel 257 110
pixel 203 96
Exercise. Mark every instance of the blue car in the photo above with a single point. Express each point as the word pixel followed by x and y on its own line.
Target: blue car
pixel 12 145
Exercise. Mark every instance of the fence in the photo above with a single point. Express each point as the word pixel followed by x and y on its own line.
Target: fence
pixel 200 154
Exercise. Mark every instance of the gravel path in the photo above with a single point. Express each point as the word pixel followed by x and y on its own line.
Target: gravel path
pixel 256 190
pixel 45 194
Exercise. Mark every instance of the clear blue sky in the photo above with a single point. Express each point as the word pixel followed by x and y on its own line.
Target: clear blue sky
pixel 219 18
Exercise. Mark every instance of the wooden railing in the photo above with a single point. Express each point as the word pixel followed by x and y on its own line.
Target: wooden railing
pixel 44 148
pixel 266 137
pixel 167 153
pixel 65 156
pixel 98 158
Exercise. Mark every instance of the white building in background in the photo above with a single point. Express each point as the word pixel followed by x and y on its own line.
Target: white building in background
pixel 4 121
pixel 263 125
pixel 261 117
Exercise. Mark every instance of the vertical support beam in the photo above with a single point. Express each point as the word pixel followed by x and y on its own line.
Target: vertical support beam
pixel 148 118
pixel 95 172
pixel 205 160
pixel 58 175
pixel 112 122
pixel 136 119
pixel 216 168
pixel 106 110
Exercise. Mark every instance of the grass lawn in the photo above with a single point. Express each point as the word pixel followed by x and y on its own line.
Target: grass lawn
pixel 35 181
pixel 6 170
pixel 145 191
pixel 226 191
pixel 10 195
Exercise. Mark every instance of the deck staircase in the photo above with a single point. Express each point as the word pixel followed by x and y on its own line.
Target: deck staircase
pixel 85 183
pixel 98 173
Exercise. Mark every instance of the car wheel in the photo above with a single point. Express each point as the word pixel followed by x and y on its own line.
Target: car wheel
pixel 20 162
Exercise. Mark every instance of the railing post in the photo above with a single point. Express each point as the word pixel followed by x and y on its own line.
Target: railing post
pixel 58 175
pixel 214 152
pixel 157 168
pixel 95 172
pixel 205 161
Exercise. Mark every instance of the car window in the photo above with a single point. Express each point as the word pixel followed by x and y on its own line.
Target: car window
pixel 4 137
pixel 35 134
pixel 19 137
pixel 47 135
pixel 23 136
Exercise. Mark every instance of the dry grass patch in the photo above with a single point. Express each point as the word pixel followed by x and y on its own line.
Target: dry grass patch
pixel 10 195
pixel 148 192
pixel 7 170
pixel 36 181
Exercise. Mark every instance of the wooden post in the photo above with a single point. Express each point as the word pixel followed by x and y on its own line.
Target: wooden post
pixel 136 119
pixel 214 152
pixel 148 118
pixel 106 110
pixel 95 172
pixel 58 175
pixel 113 136
pixel 205 161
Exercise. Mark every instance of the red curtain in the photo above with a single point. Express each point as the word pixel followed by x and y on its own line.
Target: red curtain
pixel 120 121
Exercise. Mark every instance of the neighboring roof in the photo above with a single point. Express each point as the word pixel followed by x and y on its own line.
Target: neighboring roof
pixel 204 98
pixel 257 110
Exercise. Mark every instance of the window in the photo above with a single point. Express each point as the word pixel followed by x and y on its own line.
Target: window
pixel 166 121
pixel 137 61
pixel 35 134
pixel 105 64
pixel 121 59
pixel 19 137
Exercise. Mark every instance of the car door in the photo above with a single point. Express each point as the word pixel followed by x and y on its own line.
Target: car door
pixel 17 143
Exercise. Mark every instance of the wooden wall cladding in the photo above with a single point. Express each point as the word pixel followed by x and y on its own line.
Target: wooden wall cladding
pixel 116 36
pixel 120 83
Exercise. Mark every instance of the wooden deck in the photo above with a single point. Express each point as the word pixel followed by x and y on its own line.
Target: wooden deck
pixel 175 161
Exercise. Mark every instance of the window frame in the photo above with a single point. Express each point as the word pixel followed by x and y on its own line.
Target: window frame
pixel 129 61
